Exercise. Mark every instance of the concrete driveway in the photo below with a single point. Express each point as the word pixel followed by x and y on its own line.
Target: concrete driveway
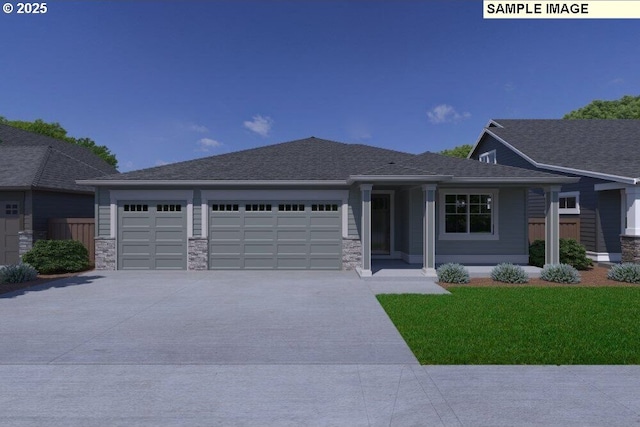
pixel 263 349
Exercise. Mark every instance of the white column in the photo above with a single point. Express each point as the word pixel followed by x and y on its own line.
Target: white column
pixel 552 225
pixel 429 227
pixel 633 211
pixel 365 231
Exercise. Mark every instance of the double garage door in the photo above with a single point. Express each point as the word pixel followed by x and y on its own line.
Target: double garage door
pixel 242 235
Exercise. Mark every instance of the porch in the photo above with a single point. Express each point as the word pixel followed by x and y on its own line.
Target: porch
pixel 385 269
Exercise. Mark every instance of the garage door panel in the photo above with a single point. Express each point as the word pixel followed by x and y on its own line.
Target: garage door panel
pixel 318 263
pixel 258 262
pixel 322 248
pixel 263 234
pixel 220 248
pixel 293 263
pixel 133 249
pixel 292 235
pixel 292 221
pixel 222 234
pixel 226 220
pixel 326 234
pixel 258 248
pixel 292 248
pixel 166 235
pixel 165 221
pixel 135 235
pixel 137 221
pixel 323 221
pixel 251 220
pixel 221 262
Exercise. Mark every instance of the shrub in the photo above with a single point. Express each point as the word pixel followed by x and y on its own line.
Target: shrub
pixel 625 272
pixel 452 273
pixel 58 256
pixel 560 273
pixel 509 273
pixel 18 273
pixel 571 252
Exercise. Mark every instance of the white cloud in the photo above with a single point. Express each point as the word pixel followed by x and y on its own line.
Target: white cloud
pixel 161 163
pixel 260 125
pixel 509 87
pixel 444 113
pixel 617 81
pixel 197 128
pixel 127 166
pixel 208 143
pixel 359 131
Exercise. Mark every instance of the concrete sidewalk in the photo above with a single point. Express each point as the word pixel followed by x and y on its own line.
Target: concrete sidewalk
pixel 263 349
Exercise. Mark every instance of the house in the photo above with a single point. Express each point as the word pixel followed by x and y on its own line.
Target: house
pixel 317 204
pixel 37 182
pixel 603 154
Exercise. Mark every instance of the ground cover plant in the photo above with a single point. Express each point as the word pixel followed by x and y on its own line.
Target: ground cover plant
pixel 520 325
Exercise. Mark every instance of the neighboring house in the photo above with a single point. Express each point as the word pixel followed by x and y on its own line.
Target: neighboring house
pixel 603 154
pixel 37 182
pixel 316 204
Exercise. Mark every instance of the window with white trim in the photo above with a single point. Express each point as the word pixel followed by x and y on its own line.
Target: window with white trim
pixel 262 207
pixel 136 208
pixel 468 215
pixel 569 203
pixel 291 207
pixel 488 157
pixel 324 207
pixel 224 208
pixel 168 208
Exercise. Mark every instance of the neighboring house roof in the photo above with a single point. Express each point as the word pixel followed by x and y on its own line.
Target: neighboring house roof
pixel 597 147
pixel 314 160
pixel 32 161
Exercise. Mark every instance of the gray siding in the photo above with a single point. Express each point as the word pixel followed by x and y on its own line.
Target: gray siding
pixel 103 225
pixel 512 228
pixel 608 220
pixel 49 204
pixel 355 209
pixel 504 155
pixel 197 213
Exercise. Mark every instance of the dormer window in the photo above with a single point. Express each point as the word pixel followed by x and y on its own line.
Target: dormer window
pixel 488 157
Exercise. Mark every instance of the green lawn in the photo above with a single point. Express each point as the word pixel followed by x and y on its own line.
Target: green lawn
pixel 520 325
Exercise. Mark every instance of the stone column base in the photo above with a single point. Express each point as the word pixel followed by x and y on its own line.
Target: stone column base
pixel 25 242
pixel 198 253
pixel 630 248
pixel 105 253
pixel 351 253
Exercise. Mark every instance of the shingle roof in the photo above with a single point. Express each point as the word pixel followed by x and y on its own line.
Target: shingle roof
pixel 315 159
pixel 604 146
pixel 30 160
pixel 304 159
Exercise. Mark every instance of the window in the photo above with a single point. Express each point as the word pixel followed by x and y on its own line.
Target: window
pixel 324 207
pixel 136 208
pixel 11 209
pixel 168 208
pixel 291 208
pixel 258 208
pixel 569 203
pixel 224 208
pixel 470 216
pixel 488 157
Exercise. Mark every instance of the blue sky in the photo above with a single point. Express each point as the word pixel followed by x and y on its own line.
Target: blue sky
pixel 164 81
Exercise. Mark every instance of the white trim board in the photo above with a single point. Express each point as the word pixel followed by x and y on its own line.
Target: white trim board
pixel 482 259
pixel 604 256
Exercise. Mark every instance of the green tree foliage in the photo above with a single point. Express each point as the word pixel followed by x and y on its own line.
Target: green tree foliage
pixel 55 130
pixel 461 151
pixel 627 107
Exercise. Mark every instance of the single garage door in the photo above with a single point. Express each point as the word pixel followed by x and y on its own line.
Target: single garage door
pixel 152 235
pixel 275 235
pixel 9 227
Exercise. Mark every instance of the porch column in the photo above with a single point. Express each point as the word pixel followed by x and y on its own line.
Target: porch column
pixel 630 240
pixel 429 227
pixel 365 269
pixel 552 225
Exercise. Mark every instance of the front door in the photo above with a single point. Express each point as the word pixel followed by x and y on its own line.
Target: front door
pixel 380 224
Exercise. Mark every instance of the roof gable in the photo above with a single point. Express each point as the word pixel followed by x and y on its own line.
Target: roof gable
pixel 607 149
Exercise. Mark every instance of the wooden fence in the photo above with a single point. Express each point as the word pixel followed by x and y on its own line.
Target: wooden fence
pixel 80 229
pixel 569 228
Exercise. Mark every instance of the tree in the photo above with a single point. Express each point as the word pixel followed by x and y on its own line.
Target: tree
pixel 627 107
pixel 55 130
pixel 461 151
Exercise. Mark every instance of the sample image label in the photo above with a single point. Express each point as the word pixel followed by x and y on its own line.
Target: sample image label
pixel 590 9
